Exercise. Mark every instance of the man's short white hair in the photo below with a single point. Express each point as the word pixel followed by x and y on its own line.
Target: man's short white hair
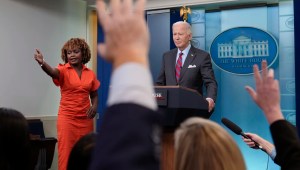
pixel 187 25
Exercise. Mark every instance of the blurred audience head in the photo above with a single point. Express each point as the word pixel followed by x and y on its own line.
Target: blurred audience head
pixel 81 153
pixel 14 140
pixel 203 144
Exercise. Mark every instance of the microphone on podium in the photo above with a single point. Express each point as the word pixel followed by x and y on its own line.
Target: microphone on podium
pixel 237 130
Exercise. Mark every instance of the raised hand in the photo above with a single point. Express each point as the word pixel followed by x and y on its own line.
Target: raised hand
pixel 126 33
pixel 38 56
pixel 267 94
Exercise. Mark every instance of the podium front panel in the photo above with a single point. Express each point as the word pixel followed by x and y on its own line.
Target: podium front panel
pixel 179 103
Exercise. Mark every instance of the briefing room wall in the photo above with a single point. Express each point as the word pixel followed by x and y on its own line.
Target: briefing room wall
pixel 26 25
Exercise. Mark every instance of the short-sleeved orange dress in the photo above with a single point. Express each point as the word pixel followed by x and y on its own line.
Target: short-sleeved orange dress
pixel 72 122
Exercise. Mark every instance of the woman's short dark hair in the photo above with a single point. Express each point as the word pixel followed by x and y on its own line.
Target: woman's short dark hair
pixel 76 43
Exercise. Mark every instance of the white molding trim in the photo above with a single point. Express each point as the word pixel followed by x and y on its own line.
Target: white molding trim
pixel 165 4
pixel 159 4
pixel 42 117
pixel 158 11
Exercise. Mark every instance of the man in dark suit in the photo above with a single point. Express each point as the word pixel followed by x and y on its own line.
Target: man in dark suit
pixel 188 66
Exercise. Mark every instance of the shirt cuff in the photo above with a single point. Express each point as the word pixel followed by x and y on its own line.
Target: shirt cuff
pixel 208 98
pixel 132 83
pixel 273 153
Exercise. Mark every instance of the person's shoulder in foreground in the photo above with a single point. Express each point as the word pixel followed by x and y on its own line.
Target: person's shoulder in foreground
pixel 287 144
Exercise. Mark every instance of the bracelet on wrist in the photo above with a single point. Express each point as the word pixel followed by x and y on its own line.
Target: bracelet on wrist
pixel 42 63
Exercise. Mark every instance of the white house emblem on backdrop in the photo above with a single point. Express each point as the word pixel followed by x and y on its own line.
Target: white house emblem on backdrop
pixel 236 50
pixel 242 47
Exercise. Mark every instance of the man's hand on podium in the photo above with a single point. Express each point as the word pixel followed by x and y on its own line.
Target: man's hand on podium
pixel 211 104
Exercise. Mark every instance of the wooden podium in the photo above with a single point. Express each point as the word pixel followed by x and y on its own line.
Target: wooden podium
pixel 177 104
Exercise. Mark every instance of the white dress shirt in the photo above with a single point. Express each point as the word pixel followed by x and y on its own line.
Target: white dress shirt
pixel 132 83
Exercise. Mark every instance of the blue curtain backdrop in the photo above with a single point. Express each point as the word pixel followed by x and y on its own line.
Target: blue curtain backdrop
pixel 159 28
pixel 174 17
pixel 103 75
pixel 297 59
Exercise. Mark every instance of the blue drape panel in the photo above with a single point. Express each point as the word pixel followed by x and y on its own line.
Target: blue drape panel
pixel 103 74
pixel 297 59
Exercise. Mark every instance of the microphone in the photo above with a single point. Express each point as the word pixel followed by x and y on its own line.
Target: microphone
pixel 237 130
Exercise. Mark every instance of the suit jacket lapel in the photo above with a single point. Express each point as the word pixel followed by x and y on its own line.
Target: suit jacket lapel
pixel 190 57
pixel 172 64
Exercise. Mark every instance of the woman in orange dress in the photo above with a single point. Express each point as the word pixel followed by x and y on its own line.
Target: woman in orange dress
pixel 79 96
